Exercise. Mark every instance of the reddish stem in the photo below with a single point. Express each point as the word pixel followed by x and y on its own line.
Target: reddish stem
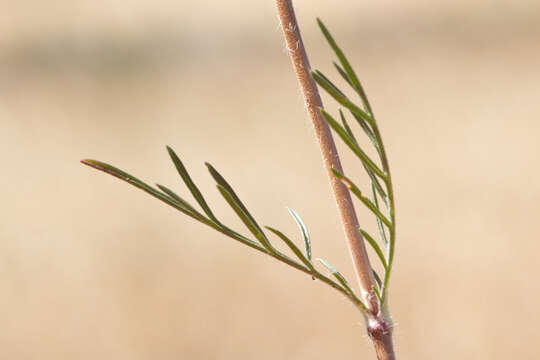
pixel 378 329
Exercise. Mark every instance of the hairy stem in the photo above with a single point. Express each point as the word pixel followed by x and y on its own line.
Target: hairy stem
pixel 378 329
pixel 328 149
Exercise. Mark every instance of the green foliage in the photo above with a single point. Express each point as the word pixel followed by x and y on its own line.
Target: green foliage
pixel 379 175
pixel 260 241
pixel 377 171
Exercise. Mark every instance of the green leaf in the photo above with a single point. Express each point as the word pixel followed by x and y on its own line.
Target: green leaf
pixel 226 230
pixel 130 179
pixel 293 247
pixel 240 210
pixel 329 83
pixel 377 293
pixel 356 191
pixel 368 171
pixel 190 184
pixel 347 68
pixel 375 247
pixel 347 128
pixel 351 144
pixel 340 97
pixel 373 208
pixel 342 59
pixel 377 278
pixel 336 274
pixel 332 89
pixel 382 233
pixel 378 187
pixel 343 74
pixel 303 231
pixel 368 131
pixel 221 181
pixel 341 280
pixel 178 199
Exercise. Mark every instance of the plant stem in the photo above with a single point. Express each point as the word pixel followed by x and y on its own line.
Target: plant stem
pixel 378 329
pixel 328 148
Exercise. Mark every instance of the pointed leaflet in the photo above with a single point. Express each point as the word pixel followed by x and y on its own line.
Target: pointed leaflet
pixel 370 173
pixel 221 181
pixel 377 278
pixel 377 293
pixel 169 201
pixel 130 179
pixel 190 184
pixel 351 144
pixel 371 207
pixel 346 127
pixel 343 74
pixel 375 247
pixel 340 97
pixel 303 231
pixel 178 199
pixel 234 201
pixel 328 83
pixel 336 274
pixel 368 131
pixel 351 75
pixel 247 220
pixel 342 281
pixel 364 125
pixel 377 185
pixel 356 191
pixel 382 233
pixel 342 59
pixel 292 246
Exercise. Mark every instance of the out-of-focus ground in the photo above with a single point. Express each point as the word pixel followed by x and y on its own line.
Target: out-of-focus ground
pixel 91 268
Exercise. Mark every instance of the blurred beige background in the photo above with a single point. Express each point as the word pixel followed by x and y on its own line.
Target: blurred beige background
pixel 91 268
